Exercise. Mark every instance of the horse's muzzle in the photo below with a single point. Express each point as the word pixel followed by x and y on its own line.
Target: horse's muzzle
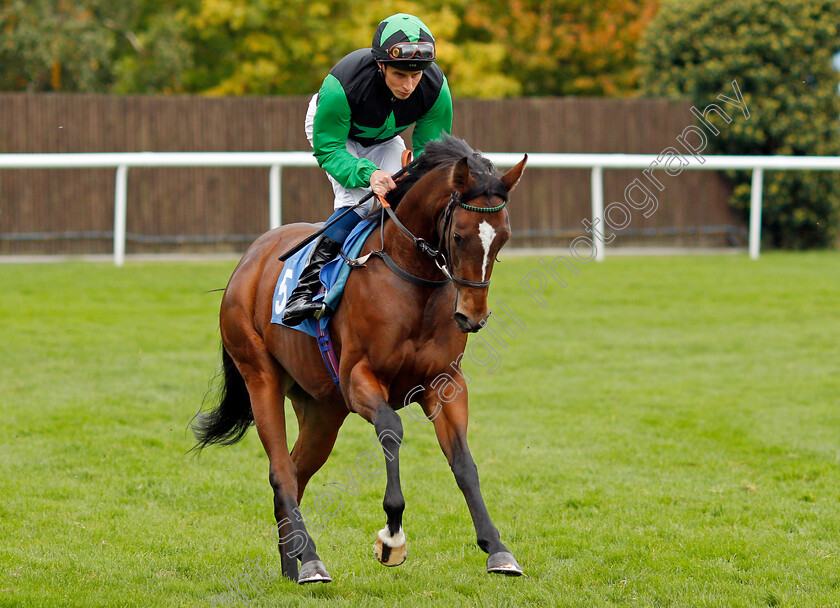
pixel 465 324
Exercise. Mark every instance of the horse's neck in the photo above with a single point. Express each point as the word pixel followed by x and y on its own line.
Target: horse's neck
pixel 422 204
pixel 420 222
pixel 419 214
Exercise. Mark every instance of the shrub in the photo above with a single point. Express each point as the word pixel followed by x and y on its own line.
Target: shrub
pixel 779 52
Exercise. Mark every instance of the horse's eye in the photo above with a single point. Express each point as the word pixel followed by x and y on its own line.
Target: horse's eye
pixel 457 238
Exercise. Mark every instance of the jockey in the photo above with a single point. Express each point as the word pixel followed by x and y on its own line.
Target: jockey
pixel 353 124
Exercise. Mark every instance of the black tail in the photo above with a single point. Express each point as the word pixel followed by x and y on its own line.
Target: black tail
pixel 229 421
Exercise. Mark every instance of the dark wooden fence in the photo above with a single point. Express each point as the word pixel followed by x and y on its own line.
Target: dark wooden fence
pixel 220 209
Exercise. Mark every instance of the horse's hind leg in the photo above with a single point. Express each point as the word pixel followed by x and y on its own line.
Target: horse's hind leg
pixel 318 425
pixel 266 382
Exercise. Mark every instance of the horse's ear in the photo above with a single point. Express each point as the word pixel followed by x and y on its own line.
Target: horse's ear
pixel 512 177
pixel 461 178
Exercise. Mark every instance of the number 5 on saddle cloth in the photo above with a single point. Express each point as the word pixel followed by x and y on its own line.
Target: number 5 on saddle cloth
pixel 333 278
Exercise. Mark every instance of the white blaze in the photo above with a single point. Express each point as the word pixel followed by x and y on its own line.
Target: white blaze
pixel 486 233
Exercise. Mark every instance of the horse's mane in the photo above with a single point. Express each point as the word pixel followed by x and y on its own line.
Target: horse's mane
pixel 445 152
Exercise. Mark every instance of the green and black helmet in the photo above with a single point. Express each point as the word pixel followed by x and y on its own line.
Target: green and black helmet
pixel 405 42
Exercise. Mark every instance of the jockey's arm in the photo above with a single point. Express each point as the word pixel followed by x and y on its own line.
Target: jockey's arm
pixel 434 123
pixel 329 138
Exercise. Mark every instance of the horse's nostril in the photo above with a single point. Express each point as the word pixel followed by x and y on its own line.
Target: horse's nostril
pixel 463 322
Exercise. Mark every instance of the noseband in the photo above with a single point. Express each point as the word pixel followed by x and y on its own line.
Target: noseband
pixel 439 255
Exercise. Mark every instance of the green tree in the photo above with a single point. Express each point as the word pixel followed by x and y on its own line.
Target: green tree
pixel 288 46
pixel 52 46
pixel 157 53
pixel 562 47
pixel 93 45
pixel 493 48
pixel 269 46
pixel 488 48
pixel 780 54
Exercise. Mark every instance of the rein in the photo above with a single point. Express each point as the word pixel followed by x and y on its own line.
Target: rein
pixel 439 255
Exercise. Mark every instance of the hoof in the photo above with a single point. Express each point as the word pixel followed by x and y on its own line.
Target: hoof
pixel 313 572
pixel 503 562
pixel 390 550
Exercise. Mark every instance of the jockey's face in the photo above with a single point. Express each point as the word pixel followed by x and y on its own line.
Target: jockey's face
pixel 401 82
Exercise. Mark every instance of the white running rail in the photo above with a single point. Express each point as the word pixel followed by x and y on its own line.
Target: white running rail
pixel 123 161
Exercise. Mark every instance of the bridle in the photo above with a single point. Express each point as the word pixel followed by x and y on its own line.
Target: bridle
pixel 443 259
pixel 440 255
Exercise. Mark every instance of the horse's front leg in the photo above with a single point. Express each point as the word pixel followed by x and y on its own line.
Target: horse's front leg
pixel 367 398
pixel 450 420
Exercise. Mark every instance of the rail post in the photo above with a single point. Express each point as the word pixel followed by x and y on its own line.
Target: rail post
pixel 120 204
pixel 274 186
pixel 599 229
pixel 755 211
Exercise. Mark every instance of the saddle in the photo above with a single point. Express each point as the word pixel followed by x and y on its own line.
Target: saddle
pixel 333 278
pixel 333 275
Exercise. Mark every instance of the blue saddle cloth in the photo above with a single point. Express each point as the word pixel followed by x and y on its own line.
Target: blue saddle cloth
pixel 333 276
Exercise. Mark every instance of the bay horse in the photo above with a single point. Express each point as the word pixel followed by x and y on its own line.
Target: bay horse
pixel 402 324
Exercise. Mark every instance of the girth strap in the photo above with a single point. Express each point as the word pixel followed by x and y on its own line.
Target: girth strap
pixel 328 353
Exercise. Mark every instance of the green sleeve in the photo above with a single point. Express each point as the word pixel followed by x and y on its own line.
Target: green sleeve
pixel 329 138
pixel 434 123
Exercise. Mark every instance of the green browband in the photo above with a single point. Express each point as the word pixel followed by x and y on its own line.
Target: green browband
pixel 483 209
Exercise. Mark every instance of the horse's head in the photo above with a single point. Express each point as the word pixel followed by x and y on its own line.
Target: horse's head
pixel 475 226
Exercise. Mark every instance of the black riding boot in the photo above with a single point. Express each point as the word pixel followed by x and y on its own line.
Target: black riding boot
pixel 300 305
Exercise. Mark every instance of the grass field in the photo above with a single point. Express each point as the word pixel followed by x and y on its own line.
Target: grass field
pixel 664 432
